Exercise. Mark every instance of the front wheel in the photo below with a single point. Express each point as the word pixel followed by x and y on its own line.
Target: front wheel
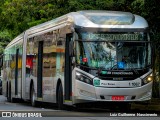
pixel 60 98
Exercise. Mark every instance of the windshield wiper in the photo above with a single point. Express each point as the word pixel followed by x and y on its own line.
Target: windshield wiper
pixel 99 70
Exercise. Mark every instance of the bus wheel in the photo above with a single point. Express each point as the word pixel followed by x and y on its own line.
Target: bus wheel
pixel 9 93
pixel 60 98
pixel 33 102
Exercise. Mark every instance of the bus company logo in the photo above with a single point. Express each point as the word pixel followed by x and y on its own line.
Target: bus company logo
pixel 6 114
pixel 96 82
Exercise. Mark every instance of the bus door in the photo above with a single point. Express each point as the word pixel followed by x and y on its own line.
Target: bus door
pixel 39 70
pixel 68 69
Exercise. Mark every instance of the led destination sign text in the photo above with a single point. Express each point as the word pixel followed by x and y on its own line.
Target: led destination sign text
pixel 114 36
pixel 119 73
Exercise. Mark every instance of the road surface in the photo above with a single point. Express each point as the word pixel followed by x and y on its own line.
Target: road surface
pixel 23 110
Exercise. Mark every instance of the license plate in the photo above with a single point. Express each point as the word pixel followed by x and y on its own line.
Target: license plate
pixel 118 98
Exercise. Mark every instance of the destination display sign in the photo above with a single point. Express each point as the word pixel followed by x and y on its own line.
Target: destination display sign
pixel 107 37
pixel 117 72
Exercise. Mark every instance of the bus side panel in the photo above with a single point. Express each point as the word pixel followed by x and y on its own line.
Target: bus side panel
pixel 12 62
pixel 16 71
pixel 4 77
pixel 52 63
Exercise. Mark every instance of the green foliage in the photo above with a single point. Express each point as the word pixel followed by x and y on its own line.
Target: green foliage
pixel 152 13
pixel 5 38
pixel 105 4
pixel 138 7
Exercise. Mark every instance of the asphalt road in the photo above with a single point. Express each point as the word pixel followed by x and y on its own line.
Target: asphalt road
pixel 47 111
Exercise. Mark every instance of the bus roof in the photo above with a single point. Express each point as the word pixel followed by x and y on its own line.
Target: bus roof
pixel 96 19
pixel 108 19
pixel 91 19
pixel 99 18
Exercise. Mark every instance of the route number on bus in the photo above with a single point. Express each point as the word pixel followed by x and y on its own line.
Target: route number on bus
pixel 134 84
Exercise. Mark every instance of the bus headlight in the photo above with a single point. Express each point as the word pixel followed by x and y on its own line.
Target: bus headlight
pixel 148 79
pixel 84 78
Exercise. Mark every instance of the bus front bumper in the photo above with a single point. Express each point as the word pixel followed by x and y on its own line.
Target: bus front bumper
pixel 89 93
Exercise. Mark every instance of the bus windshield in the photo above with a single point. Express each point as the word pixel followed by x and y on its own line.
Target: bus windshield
pixel 112 55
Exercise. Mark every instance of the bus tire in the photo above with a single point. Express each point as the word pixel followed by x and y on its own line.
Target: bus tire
pixel 33 101
pixel 60 98
pixel 9 93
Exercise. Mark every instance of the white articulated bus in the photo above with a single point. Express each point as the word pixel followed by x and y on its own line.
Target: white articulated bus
pixel 81 57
